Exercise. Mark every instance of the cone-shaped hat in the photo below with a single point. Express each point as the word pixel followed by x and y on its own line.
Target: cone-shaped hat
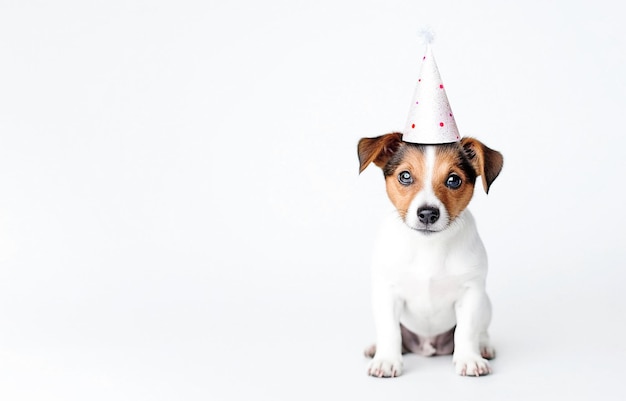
pixel 430 117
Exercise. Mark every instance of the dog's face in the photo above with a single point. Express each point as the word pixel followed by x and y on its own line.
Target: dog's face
pixel 430 185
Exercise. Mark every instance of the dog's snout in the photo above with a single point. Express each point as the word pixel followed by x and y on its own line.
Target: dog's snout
pixel 428 215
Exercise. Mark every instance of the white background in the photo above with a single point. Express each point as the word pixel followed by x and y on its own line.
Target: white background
pixel 181 216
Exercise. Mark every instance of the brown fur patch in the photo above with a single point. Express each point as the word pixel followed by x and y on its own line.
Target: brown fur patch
pixel 450 160
pixel 401 195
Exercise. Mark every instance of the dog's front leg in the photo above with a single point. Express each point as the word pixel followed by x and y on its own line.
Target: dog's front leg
pixel 387 361
pixel 473 314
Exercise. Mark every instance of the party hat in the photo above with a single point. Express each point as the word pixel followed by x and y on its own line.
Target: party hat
pixel 430 117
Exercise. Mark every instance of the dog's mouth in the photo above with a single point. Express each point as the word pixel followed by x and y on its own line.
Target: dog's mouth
pixel 425 231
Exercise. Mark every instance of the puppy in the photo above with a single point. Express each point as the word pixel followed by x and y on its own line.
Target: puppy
pixel 429 265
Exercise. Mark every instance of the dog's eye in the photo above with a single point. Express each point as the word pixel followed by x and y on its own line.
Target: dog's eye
pixel 453 181
pixel 405 178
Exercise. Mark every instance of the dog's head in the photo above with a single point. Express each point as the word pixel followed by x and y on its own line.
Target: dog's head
pixel 430 185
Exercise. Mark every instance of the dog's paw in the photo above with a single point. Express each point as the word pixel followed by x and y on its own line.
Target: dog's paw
pixel 370 351
pixel 472 365
pixel 385 367
pixel 487 352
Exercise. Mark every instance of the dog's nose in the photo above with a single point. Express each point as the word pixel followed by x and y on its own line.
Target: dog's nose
pixel 428 215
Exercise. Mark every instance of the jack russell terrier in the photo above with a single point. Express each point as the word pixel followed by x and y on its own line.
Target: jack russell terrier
pixel 429 265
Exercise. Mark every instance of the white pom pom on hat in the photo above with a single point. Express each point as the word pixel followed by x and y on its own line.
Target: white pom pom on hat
pixel 430 118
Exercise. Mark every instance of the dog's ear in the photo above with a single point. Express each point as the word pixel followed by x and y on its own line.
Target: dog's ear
pixel 486 162
pixel 378 150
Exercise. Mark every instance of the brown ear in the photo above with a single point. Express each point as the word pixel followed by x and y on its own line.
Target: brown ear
pixel 487 162
pixel 378 150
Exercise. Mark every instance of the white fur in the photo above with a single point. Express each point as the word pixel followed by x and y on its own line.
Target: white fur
pixel 430 283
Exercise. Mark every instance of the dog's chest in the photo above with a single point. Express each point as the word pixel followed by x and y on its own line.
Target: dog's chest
pixel 427 283
pixel 429 290
pixel 428 294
